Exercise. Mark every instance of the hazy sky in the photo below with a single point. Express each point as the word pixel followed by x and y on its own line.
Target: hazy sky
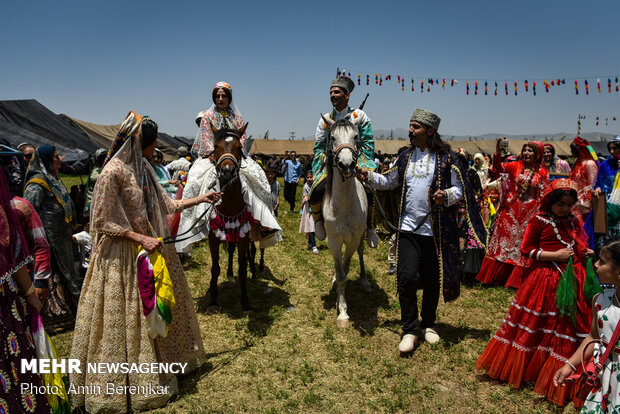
pixel 97 60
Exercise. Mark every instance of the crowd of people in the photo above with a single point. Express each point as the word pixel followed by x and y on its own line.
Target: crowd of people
pixel 529 221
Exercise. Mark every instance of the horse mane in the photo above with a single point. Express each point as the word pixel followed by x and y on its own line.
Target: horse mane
pixel 341 124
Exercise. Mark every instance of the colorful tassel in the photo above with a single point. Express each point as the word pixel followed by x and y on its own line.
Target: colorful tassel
pixel 467 83
pixel 576 88
pixel 609 85
pixel 566 293
pixel 359 79
pixel 526 86
pixel 506 87
pixel 591 285
pixel 475 87
pixel 421 86
pixel 515 88
pixel 534 88
pixel 486 88
pixel 598 85
pixel 376 78
pixel 587 87
pixel 495 88
pixel 367 79
pixel 412 88
pixel 443 83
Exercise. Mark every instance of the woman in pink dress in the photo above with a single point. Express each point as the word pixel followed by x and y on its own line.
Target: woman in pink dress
pixel 526 180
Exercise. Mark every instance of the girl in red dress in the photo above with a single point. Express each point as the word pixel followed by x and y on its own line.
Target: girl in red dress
pixel 536 338
pixel 526 181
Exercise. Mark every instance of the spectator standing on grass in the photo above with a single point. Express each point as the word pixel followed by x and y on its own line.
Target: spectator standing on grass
pixel 550 313
pixel 51 200
pixel 433 179
pixel 525 183
pixel 292 175
pixel 306 225
pixel 275 191
pixel 115 320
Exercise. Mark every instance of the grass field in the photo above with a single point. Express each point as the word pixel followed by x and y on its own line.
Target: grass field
pixel 289 356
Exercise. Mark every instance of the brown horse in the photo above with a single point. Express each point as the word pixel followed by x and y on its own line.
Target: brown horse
pixel 227 157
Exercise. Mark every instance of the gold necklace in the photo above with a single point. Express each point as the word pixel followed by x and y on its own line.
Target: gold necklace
pixel 428 163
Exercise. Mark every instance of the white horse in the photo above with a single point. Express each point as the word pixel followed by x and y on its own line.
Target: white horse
pixel 344 206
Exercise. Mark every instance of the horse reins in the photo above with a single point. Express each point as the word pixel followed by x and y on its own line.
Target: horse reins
pixel 387 222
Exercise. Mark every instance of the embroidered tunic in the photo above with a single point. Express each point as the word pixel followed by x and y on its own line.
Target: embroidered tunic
pixel 366 159
pixel 448 174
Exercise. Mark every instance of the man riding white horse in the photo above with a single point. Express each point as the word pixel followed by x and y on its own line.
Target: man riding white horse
pixel 339 94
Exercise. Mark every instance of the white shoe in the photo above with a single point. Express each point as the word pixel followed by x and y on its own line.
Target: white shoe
pixel 319 230
pixel 431 336
pixel 371 238
pixel 407 343
pixel 315 250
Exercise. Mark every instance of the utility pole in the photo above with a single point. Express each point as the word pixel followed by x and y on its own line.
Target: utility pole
pixel 291 135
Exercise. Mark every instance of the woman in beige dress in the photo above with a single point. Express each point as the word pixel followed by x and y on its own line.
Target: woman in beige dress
pixel 129 209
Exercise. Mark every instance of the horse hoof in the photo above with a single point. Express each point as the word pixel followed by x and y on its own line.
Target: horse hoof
pixel 343 323
pixel 213 309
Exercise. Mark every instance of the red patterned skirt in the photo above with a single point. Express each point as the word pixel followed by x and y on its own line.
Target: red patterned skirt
pixel 534 340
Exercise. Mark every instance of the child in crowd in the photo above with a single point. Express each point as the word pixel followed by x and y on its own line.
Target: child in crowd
pixel 538 335
pixel 605 318
pixel 84 242
pixel 275 191
pixel 307 223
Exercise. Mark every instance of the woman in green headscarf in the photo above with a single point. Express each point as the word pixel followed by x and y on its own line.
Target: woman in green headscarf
pixel 50 198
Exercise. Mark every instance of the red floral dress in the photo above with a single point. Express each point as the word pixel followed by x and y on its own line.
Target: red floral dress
pixel 535 340
pixel 522 193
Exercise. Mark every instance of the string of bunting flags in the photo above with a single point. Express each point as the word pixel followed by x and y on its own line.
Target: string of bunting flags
pixel 487 87
pixel 597 119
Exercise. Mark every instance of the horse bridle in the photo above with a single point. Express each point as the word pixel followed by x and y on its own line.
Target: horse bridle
pixel 354 151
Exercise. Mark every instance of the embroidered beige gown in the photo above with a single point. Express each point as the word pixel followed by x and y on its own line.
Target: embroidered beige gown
pixel 110 325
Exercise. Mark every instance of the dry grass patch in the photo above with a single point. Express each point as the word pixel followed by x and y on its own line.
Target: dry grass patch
pixel 289 356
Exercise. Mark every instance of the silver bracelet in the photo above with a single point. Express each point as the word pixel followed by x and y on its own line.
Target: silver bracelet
pixel 571 365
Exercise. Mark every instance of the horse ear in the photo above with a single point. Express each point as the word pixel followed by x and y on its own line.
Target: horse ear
pixel 213 128
pixel 355 120
pixel 328 122
pixel 241 130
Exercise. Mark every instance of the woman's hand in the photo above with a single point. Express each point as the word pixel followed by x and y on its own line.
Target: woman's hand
pixel 150 244
pixel 34 301
pixel 561 374
pixel 210 197
pixel 589 253
pixel 564 255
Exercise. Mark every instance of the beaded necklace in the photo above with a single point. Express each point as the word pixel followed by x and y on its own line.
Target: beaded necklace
pixel 428 163
pixel 557 234
pixel 523 188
